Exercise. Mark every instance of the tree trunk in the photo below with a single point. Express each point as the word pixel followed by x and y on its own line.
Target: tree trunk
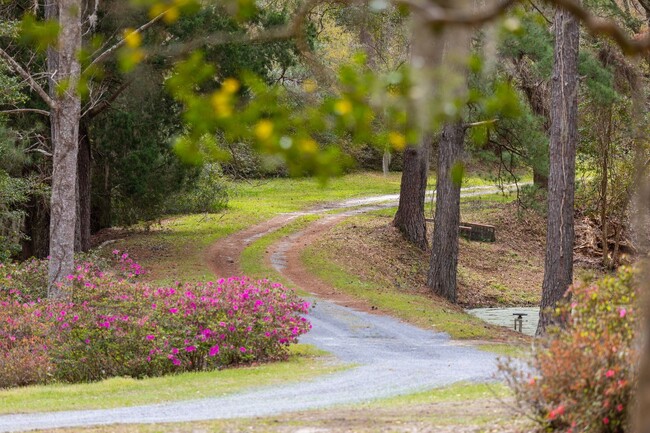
pixel 558 266
pixel 84 163
pixel 605 142
pixel 444 248
pixel 65 141
pixel 410 219
pixel 540 179
pixel 427 48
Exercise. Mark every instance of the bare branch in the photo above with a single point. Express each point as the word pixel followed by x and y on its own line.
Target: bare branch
pixel 15 66
pixel 599 26
pixel 106 103
pixel 26 110
pixel 103 56
pixel 481 123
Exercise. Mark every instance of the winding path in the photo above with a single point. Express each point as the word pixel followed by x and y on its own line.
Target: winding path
pixel 390 357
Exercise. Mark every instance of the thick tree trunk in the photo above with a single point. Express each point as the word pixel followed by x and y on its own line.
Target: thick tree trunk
pixel 84 163
pixel 558 267
pixel 444 248
pixel 427 48
pixel 410 219
pixel 65 140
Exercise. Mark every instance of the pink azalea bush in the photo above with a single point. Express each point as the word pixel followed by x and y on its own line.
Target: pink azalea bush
pixel 580 378
pixel 115 325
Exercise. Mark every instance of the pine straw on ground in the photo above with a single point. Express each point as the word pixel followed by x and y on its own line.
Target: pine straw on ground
pixel 508 272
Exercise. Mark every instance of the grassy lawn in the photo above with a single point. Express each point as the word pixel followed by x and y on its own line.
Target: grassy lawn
pixel 459 406
pixel 415 308
pixel 252 260
pixel 304 363
pixel 175 249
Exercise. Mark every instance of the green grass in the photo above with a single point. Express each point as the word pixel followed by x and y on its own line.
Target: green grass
pixel 461 404
pixel 462 391
pixel 176 250
pixel 270 197
pixel 252 259
pixel 506 350
pixel 414 308
pixel 304 363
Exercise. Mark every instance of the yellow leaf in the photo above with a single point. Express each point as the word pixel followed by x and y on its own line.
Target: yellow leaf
pixel 230 85
pixel 132 38
pixel 343 107
pixel 221 103
pixel 264 129
pixel 308 145
pixel 309 85
pixel 171 15
pixel 397 140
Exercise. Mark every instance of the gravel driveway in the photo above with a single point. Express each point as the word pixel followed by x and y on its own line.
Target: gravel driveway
pixel 390 358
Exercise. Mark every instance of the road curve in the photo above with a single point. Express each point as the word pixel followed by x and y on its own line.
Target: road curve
pixel 390 357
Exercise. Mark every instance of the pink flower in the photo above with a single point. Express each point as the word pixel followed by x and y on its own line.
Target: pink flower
pixel 605 420
pixel 619 408
pixel 558 411
pixel 173 310
pixel 214 350
pixel 622 312
pixel 242 349
pixel 610 374
pixel 176 361
pixel 190 348
pixel 174 351
pixel 150 337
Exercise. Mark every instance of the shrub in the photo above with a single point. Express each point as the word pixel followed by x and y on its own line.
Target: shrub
pixel 117 326
pixel 579 377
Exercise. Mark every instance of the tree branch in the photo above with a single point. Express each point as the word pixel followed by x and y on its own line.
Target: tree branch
pixel 439 16
pixel 15 66
pixel 599 26
pixel 103 56
pixel 105 103
pixel 288 31
pixel 26 110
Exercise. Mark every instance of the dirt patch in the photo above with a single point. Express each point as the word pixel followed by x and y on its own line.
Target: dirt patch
pixel 223 256
pixel 294 269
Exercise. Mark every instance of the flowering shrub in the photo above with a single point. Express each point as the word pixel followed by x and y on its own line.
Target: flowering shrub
pixel 579 378
pixel 117 326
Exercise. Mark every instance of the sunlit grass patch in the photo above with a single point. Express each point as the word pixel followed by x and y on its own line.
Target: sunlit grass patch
pixel 305 362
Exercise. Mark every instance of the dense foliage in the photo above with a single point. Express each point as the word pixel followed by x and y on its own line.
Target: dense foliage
pixel 115 325
pixel 581 376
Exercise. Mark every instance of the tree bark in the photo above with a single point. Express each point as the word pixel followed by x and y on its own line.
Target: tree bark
pixel 410 219
pixel 444 248
pixel 84 164
pixel 426 55
pixel 558 266
pixel 65 141
pixel 605 142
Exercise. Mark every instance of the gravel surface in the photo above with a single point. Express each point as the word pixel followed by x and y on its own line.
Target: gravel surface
pixel 390 358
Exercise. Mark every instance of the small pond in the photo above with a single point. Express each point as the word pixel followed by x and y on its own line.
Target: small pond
pixel 504 317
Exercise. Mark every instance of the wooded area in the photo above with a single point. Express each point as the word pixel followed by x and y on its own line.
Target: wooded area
pixel 120 114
